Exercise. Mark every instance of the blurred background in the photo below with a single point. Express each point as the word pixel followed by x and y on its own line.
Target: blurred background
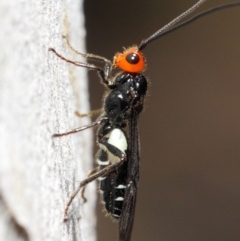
pixel 190 127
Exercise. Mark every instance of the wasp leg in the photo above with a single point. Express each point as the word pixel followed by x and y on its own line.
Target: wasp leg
pixel 103 172
pixel 88 55
pixel 89 114
pixel 104 73
pixel 98 122
pixel 91 178
pixel 95 170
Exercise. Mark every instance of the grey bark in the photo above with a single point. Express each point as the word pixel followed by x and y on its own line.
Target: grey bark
pixel 38 96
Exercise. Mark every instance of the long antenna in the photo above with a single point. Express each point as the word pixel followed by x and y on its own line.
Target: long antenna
pixel 166 29
pixel 170 24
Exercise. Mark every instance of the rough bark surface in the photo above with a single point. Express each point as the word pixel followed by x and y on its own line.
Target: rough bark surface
pixel 38 96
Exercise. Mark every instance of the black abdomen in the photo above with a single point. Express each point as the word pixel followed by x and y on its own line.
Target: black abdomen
pixel 112 187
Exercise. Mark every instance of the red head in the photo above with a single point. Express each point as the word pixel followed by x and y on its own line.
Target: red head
pixel 131 60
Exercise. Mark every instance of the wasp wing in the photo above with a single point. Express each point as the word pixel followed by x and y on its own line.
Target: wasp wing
pixel 128 210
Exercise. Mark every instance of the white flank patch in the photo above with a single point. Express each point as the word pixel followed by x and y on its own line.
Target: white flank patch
pixel 105 163
pixel 101 178
pixel 118 139
pixel 120 187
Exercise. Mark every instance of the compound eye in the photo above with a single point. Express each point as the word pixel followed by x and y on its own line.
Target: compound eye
pixel 132 58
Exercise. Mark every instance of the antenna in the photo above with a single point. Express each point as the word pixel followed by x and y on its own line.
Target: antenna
pixel 169 27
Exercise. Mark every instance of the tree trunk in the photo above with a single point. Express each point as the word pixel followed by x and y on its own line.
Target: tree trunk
pixel 38 96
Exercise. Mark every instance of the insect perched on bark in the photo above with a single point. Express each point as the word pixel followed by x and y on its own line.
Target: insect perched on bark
pixel 117 135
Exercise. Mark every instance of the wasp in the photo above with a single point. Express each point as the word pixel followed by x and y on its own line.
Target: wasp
pixel 118 156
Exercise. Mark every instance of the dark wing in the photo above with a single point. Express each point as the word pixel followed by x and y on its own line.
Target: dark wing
pixel 128 209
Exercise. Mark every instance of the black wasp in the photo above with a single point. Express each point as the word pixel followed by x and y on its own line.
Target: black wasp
pixel 117 135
